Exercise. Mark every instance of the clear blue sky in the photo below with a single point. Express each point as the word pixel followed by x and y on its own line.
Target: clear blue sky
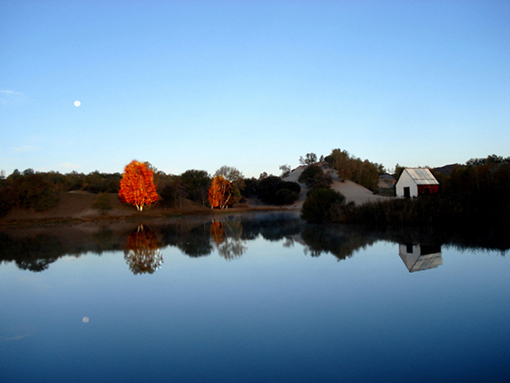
pixel 251 84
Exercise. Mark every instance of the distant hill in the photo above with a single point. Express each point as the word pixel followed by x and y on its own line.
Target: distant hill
pixel 446 169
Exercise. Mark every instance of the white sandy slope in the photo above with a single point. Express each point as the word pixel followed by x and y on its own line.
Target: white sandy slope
pixel 351 190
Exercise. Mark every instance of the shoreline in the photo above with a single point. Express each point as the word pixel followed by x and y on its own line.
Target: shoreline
pixel 106 218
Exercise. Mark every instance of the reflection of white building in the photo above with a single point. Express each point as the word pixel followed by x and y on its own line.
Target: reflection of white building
pixel 420 257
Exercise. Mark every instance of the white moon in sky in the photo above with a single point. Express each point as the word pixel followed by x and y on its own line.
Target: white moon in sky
pixel 85 319
pixel 77 103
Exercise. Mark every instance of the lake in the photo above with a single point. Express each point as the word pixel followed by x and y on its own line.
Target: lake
pixel 251 298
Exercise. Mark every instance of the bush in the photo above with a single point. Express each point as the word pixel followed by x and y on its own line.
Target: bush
pixel 319 203
pixel 168 196
pixel 102 203
pixel 273 190
pixel 8 199
pixel 32 191
pixel 45 201
pixel 308 175
pixel 286 197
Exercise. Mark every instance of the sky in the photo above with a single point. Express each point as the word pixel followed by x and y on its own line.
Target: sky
pixel 251 84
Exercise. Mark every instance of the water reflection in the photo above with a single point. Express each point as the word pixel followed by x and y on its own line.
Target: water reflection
pixel 336 240
pixel 34 253
pixel 36 248
pixel 142 253
pixel 418 257
pixel 227 237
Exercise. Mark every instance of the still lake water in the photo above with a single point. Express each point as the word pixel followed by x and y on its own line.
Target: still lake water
pixel 258 298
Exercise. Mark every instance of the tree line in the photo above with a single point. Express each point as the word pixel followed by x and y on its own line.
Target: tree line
pixel 474 194
pixel 476 191
pixel 40 191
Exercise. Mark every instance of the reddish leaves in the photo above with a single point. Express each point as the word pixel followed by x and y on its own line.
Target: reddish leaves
pixel 137 185
pixel 221 193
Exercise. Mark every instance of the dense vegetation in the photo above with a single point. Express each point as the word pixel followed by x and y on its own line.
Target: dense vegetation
pixel 475 194
pixel 362 172
pixel 319 204
pixel 273 190
pixel 40 191
pixel 314 177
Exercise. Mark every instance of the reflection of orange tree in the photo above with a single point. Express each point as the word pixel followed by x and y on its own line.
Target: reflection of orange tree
pixel 217 232
pixel 142 252
pixel 227 236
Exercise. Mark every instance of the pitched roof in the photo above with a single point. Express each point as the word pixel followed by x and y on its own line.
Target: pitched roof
pixel 422 176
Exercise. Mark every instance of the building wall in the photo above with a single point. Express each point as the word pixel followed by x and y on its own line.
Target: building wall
pixel 405 180
pixel 428 189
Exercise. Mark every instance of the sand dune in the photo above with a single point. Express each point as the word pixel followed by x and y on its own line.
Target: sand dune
pixel 351 190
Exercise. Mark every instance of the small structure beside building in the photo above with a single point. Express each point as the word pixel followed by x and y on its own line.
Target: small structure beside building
pixel 414 182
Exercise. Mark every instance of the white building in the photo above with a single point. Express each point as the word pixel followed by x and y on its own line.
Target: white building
pixel 414 182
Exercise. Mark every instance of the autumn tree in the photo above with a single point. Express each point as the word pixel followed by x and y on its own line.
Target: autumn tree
pixel 235 177
pixel 221 193
pixel 137 185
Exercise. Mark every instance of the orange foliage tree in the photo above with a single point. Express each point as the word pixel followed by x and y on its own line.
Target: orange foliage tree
pixel 221 193
pixel 137 185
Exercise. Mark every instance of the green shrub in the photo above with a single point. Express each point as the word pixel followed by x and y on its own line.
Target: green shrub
pixel 319 204
pixel 285 197
pixel 102 203
pixel 45 200
pixel 32 191
pixel 308 175
pixel 273 190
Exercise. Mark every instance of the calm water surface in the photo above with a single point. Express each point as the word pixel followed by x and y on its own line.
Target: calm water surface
pixel 261 298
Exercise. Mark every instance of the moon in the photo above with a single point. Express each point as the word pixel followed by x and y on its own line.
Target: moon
pixel 77 103
pixel 85 319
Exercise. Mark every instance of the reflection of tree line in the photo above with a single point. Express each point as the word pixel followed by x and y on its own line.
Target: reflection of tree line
pixel 34 254
pixel 228 236
pixel 336 240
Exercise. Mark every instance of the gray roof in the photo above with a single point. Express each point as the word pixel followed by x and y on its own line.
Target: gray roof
pixel 422 176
